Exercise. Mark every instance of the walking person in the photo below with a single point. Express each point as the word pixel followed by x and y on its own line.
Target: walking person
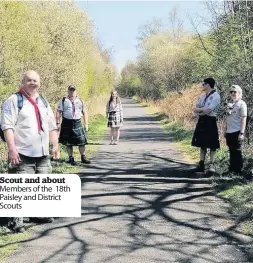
pixel 114 113
pixel 28 124
pixel 71 109
pixel 206 132
pixel 236 124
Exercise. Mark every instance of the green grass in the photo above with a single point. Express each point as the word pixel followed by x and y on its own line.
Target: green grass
pixel 97 126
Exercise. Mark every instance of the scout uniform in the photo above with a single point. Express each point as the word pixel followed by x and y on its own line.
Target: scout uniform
pixel 31 125
pixel 235 112
pixel 206 132
pixel 114 111
pixel 72 132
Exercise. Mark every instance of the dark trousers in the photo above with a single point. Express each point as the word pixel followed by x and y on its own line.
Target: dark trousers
pixel 235 151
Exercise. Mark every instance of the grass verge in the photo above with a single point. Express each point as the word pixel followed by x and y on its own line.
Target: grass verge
pixel 10 242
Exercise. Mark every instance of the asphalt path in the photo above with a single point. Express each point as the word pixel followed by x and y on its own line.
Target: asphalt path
pixel 141 204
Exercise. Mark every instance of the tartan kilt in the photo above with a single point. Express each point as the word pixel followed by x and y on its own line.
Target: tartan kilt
pixel 72 133
pixel 206 133
pixel 114 120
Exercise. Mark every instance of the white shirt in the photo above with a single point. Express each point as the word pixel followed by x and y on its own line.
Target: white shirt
pixel 117 107
pixel 28 140
pixel 67 108
pixel 212 102
pixel 238 109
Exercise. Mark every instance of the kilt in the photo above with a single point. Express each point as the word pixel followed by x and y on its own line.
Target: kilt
pixel 72 133
pixel 206 133
pixel 114 119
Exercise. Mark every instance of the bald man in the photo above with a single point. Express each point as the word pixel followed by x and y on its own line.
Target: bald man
pixel 29 124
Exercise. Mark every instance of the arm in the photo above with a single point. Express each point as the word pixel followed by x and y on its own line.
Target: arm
pixel 243 124
pixel 8 122
pixel 214 104
pixel 58 114
pixel 121 113
pixel 243 113
pixel 53 134
pixel 12 151
pixel 58 118
pixel 86 120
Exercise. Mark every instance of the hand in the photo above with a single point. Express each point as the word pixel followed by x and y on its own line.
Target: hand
pixel 241 137
pixel 14 156
pixel 225 135
pixel 86 128
pixel 56 152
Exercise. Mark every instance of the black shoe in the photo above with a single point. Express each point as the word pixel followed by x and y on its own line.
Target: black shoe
pixel 85 160
pixel 16 224
pixel 71 160
pixel 200 168
pixel 48 219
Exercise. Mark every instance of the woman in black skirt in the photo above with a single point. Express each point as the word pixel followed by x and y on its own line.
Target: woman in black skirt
pixel 114 113
pixel 206 132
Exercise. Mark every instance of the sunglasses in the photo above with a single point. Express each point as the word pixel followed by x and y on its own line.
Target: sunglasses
pixel 72 89
pixel 232 91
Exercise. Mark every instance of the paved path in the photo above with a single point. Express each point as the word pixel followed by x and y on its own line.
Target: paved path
pixel 140 204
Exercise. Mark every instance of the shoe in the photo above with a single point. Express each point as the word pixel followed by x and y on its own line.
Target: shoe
pixel 48 219
pixel 116 142
pixel 85 160
pixel 200 168
pixel 71 160
pixel 112 142
pixel 211 168
pixel 16 224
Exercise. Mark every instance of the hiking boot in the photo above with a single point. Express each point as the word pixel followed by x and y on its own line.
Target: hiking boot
pixel 85 160
pixel 211 168
pixel 16 224
pixel 200 167
pixel 71 160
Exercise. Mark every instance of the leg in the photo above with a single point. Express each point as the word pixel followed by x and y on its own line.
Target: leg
pixel 112 133
pixel 117 134
pixel 211 166
pixel 237 154
pixel 43 166
pixel 27 166
pixel 212 155
pixel 235 150
pixel 70 154
pixel 201 165
pixel 82 153
pixel 203 152
pixel 82 149
pixel 70 150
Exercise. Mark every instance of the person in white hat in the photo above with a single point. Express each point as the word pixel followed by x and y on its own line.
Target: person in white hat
pixel 235 128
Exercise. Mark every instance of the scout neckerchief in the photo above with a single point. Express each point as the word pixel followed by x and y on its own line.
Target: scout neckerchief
pixel 72 99
pixel 207 96
pixel 35 106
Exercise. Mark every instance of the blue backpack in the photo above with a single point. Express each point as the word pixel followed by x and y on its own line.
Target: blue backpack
pixel 20 105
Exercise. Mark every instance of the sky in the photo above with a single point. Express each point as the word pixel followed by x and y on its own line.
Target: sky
pixel 117 22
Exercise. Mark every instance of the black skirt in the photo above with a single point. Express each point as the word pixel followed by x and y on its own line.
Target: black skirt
pixel 206 133
pixel 72 133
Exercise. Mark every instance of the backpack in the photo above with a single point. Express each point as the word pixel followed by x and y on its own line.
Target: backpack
pixel 20 105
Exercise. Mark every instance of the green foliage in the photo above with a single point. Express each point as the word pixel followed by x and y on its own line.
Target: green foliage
pixel 56 39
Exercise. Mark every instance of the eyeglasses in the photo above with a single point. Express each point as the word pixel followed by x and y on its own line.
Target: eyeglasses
pixel 71 89
pixel 232 91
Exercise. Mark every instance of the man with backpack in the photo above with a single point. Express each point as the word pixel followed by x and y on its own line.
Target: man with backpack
pixel 71 108
pixel 28 124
